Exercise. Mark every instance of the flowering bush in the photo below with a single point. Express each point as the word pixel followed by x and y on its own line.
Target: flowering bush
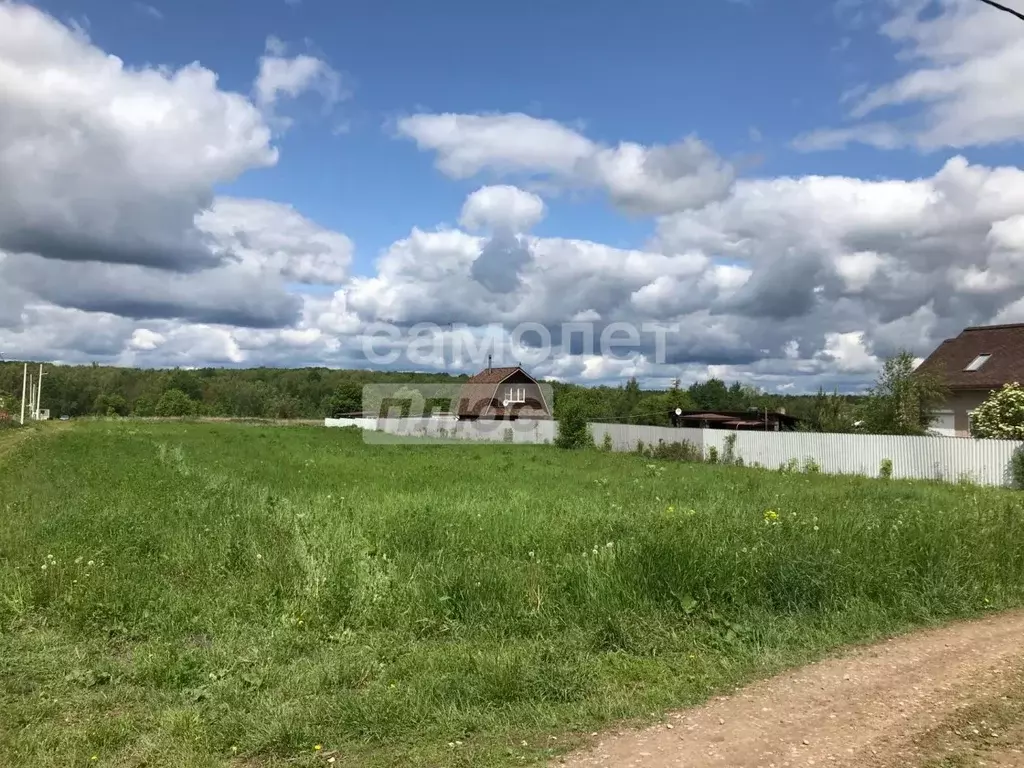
pixel 1001 416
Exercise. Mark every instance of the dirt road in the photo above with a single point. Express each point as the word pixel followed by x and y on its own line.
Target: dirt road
pixel 911 701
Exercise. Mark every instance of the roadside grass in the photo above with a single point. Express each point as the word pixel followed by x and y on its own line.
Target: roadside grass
pixel 12 434
pixel 196 594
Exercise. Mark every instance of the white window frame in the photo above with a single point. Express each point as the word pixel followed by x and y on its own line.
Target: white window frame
pixel 515 393
pixel 977 363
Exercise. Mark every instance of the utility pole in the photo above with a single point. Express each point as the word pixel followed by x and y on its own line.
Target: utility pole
pixel 24 387
pixel 31 396
pixel 39 397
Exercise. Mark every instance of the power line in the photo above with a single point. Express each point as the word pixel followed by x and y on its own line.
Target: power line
pixel 1004 8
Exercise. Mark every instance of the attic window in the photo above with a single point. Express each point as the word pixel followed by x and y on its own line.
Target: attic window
pixel 977 362
pixel 515 394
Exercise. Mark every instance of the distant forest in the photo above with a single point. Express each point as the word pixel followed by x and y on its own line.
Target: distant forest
pixel 313 393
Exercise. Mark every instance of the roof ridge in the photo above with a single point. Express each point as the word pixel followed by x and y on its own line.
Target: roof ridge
pixel 1002 326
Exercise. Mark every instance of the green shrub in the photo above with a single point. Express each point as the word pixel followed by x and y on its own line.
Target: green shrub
pixel 729 453
pixel 712 455
pixel 174 402
pixel 573 430
pixel 606 443
pixel 885 469
pixel 1017 468
pixel 679 451
pixel 1001 416
pixel 811 466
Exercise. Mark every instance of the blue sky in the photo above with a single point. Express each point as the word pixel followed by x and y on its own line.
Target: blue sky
pixel 647 71
pixel 802 188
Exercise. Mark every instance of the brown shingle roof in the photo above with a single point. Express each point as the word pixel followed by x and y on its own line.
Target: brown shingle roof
pixel 493 375
pixel 1005 344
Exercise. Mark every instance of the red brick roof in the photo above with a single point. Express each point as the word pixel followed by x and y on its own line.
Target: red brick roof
pixel 1005 344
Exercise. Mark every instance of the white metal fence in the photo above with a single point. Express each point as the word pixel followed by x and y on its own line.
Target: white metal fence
pixel 521 431
pixel 941 458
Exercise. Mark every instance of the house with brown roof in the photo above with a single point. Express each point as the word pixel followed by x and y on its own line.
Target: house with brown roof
pixel 981 359
pixel 502 393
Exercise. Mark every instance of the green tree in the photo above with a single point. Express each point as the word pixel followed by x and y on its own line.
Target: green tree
pixel 711 395
pixel 188 382
pixel 831 412
pixel 1001 416
pixel 903 401
pixel 174 402
pixel 346 400
pixel 629 398
pixel 108 404
pixel 144 405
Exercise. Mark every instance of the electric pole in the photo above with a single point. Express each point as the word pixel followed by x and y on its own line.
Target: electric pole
pixel 24 388
pixel 39 397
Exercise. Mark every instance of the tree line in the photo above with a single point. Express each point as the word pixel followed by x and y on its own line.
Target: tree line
pixel 899 403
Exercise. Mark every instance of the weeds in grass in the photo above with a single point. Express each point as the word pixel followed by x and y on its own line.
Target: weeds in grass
pixel 1017 468
pixel 185 594
pixel 729 451
pixel 683 450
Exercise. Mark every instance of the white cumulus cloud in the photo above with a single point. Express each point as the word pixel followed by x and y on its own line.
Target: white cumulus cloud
pixel 101 162
pixel 282 76
pixel 637 178
pixel 964 83
pixel 502 207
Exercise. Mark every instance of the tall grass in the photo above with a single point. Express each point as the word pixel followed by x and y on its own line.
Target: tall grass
pixel 186 594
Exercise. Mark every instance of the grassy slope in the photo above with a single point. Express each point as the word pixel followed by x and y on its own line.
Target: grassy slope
pixel 218 590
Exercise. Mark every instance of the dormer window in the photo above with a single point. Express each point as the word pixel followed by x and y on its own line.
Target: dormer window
pixel 977 362
pixel 515 394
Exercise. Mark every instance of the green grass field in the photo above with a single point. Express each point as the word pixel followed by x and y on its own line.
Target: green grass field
pixel 215 594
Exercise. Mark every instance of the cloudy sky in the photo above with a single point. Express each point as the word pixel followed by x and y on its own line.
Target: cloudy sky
pixel 797 188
